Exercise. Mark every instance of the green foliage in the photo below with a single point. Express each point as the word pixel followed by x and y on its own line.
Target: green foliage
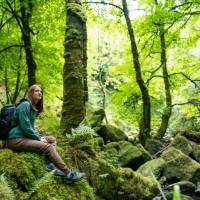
pixel 82 141
pixel 38 184
pixel 6 191
pixel 28 179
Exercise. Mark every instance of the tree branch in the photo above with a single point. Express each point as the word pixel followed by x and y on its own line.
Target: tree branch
pixel 155 76
pixel 180 5
pixel 14 45
pixel 104 3
pixel 194 102
pixel 15 15
pixel 3 24
pixel 193 81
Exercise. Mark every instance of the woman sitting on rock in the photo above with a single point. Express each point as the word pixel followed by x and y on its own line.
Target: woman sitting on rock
pixel 24 137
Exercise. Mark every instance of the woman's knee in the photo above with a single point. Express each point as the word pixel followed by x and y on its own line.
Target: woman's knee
pixel 50 139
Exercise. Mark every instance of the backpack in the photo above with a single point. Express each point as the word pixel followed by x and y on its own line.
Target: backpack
pixel 6 115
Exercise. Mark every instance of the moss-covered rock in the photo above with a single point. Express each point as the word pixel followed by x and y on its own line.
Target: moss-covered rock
pixel 26 170
pixel 195 151
pixel 191 135
pixel 153 145
pixel 120 183
pixel 155 166
pixel 111 133
pixel 127 154
pixel 108 181
pixel 179 166
pixel 181 143
pixel 94 117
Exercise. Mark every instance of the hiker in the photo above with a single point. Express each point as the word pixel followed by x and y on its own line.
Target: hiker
pixel 24 137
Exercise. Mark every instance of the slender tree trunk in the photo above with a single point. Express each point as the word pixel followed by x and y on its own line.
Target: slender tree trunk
pixel 74 72
pixel 168 99
pixel 26 9
pixel 145 125
pixel 6 85
pixel 103 98
pixel 17 86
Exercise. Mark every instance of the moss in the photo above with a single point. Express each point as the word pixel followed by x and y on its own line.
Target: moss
pixel 23 169
pixel 112 133
pixel 123 183
pixel 196 151
pixel 181 143
pixel 77 9
pixel 189 170
pixel 153 145
pixel 156 166
pixel 127 154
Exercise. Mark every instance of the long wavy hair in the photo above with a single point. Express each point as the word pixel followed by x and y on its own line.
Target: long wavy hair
pixel 38 108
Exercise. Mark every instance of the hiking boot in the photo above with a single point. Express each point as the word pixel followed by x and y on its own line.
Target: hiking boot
pixel 58 172
pixel 73 176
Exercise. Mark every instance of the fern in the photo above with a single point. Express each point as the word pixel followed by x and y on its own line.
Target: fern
pixel 37 185
pixel 80 135
pixel 6 191
pixel 82 129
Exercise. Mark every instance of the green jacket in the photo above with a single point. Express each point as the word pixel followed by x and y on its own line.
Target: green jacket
pixel 23 122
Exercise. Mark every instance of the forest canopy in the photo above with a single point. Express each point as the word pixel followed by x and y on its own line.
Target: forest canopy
pixel 166 34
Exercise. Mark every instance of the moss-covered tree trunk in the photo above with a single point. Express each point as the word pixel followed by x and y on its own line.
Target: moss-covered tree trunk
pixel 26 11
pixel 168 99
pixel 74 72
pixel 145 124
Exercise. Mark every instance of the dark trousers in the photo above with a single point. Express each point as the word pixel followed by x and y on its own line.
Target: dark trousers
pixel 49 149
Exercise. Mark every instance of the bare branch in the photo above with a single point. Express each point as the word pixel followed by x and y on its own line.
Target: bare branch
pixel 155 76
pixel 14 45
pixel 180 5
pixel 183 4
pixel 194 102
pixel 15 15
pixel 3 24
pixel 104 3
pixel 187 77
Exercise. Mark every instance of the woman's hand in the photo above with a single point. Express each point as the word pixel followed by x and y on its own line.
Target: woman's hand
pixel 43 140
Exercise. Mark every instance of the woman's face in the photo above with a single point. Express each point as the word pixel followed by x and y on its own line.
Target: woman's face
pixel 37 94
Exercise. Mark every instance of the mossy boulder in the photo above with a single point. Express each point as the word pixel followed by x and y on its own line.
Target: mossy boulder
pixel 94 117
pixel 179 166
pixel 111 182
pixel 153 145
pixel 195 151
pixel 111 133
pixel 127 154
pixel 155 166
pixel 25 170
pixel 174 166
pixel 191 135
pixel 181 143
pixel 120 183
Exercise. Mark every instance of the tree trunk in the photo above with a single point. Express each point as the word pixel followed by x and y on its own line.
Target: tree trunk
pixel 26 9
pixel 168 99
pixel 17 86
pixel 6 85
pixel 74 72
pixel 145 124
